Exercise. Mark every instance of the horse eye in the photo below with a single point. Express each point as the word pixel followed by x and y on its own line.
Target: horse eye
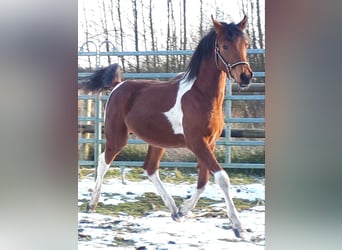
pixel 225 47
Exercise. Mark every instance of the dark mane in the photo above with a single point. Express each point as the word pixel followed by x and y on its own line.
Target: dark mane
pixel 205 48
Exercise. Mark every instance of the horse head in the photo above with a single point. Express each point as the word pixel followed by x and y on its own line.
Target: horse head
pixel 231 51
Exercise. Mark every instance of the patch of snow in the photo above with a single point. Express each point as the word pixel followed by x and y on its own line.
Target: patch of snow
pixel 158 231
pixel 255 191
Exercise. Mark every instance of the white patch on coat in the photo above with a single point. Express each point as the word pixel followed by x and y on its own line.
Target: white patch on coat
pixel 175 114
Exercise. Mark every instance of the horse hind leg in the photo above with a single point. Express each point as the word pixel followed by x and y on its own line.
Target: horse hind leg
pixel 202 181
pixel 189 204
pixel 112 149
pixel 151 166
pixel 102 169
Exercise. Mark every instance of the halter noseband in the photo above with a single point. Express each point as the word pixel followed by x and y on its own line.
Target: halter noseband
pixel 229 66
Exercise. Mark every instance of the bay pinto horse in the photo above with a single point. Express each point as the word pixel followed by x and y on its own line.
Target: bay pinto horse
pixel 186 111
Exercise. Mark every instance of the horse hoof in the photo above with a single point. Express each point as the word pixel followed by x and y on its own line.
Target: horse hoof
pixel 90 209
pixel 178 217
pixel 237 233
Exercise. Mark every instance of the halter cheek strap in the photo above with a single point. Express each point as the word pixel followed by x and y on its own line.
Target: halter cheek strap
pixel 228 66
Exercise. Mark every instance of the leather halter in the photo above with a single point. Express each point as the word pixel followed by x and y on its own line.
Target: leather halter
pixel 228 66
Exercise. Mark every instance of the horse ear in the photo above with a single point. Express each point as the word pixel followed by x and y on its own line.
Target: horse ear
pixel 217 25
pixel 243 23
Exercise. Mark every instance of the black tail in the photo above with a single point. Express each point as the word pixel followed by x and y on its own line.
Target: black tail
pixel 104 78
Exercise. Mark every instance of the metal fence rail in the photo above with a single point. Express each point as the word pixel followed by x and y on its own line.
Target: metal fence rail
pixel 227 141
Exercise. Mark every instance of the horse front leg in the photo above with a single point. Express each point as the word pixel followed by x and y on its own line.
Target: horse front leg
pixel 206 157
pixel 222 179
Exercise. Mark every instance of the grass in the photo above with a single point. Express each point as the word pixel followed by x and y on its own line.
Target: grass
pixel 168 175
pixel 137 152
pixel 150 202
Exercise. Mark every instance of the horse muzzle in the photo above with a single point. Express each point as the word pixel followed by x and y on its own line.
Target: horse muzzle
pixel 245 79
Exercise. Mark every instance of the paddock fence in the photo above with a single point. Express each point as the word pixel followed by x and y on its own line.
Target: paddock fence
pixel 91 110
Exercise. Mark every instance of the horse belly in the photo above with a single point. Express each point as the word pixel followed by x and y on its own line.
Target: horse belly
pixel 154 129
pixel 174 141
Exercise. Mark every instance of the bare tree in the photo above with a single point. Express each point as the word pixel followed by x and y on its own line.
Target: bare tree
pixel 201 19
pixel 105 28
pixel 121 33
pixel 144 33
pixel 253 31
pixel 185 31
pixel 168 33
pixel 86 26
pixel 259 26
pixel 153 42
pixel 114 20
pixel 244 8
pixel 135 27
pixel 171 39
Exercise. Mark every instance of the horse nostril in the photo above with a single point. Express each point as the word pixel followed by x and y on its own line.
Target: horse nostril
pixel 245 79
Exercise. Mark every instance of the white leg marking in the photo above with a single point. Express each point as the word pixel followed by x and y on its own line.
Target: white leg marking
pixel 102 169
pixel 222 179
pixel 168 200
pixel 175 114
pixel 189 204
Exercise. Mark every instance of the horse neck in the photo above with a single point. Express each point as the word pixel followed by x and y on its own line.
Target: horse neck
pixel 211 80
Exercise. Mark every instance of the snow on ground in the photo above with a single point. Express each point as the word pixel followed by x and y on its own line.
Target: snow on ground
pixel 158 231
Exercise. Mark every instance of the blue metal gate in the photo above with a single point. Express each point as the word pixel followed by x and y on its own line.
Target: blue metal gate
pixel 97 102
